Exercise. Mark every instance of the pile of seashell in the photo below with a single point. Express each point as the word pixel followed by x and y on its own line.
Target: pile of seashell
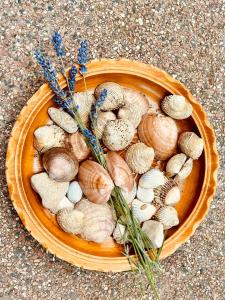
pixel 76 188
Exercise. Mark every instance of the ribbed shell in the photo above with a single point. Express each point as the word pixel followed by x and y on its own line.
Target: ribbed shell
pixel 63 119
pixel 84 101
pixel 139 158
pixel 95 182
pixel 120 234
pixel 102 120
pixel 145 195
pixel 159 132
pixel 191 144
pixel 175 164
pixel 142 211
pixel 176 107
pixel 70 220
pixel 129 196
pixel 152 179
pixel 168 216
pixel 168 194
pixel 185 170
pixel 154 231
pixel 130 113
pixel 77 145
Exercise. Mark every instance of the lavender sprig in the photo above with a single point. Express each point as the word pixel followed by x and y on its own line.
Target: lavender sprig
pixel 96 107
pixel 82 57
pixel 57 44
pixel 72 78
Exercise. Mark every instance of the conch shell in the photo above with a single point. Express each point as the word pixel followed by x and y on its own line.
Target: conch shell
pixel 191 144
pixel 102 120
pixel 70 220
pixel 159 132
pixel 142 211
pixel 168 194
pixel 167 215
pixel 95 182
pixel 119 171
pixel 139 158
pixel 84 101
pixel 154 231
pixel 179 165
pixel 77 145
pixel 176 107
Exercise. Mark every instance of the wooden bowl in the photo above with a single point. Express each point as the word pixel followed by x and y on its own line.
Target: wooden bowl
pixel 197 193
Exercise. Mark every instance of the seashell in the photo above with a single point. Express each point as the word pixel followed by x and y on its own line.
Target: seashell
pixel 63 203
pixel 129 196
pixel 84 101
pixel 168 216
pixel 120 233
pixel 152 179
pixel 63 119
pixel 119 171
pixel 37 163
pixel 153 106
pixel 176 107
pixel 118 134
pixel 191 144
pixel 115 95
pixel 142 211
pixel 139 158
pixel 185 170
pixel 95 182
pixel 175 164
pixel 70 220
pixel 47 137
pixel 74 192
pixel 169 193
pixel 50 191
pixel 60 164
pixel 103 118
pixel 154 231
pixel 131 114
pixel 77 145
pixel 145 195
pixel 159 132
pixel 98 221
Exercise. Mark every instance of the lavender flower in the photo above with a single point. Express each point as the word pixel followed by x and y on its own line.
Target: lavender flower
pixel 101 99
pixel 92 140
pixel 57 44
pixel 72 79
pixel 82 57
pixel 65 104
pixel 96 107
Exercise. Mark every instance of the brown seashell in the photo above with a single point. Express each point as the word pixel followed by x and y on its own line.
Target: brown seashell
pixel 102 120
pixel 159 132
pixel 60 164
pixel 168 194
pixel 191 144
pixel 119 171
pixel 77 145
pixel 95 182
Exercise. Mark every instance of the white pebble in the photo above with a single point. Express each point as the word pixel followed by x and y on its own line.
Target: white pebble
pixel 74 193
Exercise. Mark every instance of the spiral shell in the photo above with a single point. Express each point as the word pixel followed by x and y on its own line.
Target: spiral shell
pixel 176 107
pixel 139 158
pixel 159 132
pixel 142 211
pixel 191 144
pixel 70 220
pixel 154 231
pixel 63 119
pixel 77 145
pixel 145 195
pixel 168 194
pixel 120 234
pixel 168 216
pixel 84 101
pixel 152 179
pixel 129 196
pixel 102 120
pixel 95 182
pixel 118 134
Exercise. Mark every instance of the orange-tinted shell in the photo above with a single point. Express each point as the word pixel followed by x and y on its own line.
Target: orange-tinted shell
pixel 77 145
pixel 119 171
pixel 159 132
pixel 95 182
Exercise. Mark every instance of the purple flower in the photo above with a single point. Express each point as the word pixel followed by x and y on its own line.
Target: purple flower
pixel 82 57
pixel 57 44
pixel 72 78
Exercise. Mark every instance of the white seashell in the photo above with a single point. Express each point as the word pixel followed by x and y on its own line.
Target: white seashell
pixel 70 220
pixel 168 216
pixel 137 99
pixel 129 196
pixel 115 95
pixel 47 137
pixel 152 179
pixel 84 101
pixel 175 164
pixel 130 113
pixel 63 119
pixel 102 120
pixel 118 134
pixel 145 195
pixel 153 106
pixel 142 211
pixel 168 194
pixel 191 144
pixel 154 231
pixel 176 107
pixel 74 192
pixel 64 203
pixel 98 221
pixel 139 158
pixel 120 233
pixel 185 170
pixel 37 163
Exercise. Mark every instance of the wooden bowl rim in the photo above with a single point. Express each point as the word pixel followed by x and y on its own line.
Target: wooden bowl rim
pixel 48 240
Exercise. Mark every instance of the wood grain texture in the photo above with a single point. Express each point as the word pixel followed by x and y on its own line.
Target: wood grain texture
pixel 197 193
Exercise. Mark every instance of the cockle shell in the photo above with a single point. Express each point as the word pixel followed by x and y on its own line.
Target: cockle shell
pixel 95 182
pixel 47 137
pixel 119 171
pixel 168 216
pixel 118 134
pixel 103 118
pixel 145 195
pixel 168 194
pixel 176 107
pixel 115 95
pixel 74 192
pixel 77 145
pixel 175 164
pixel 37 163
pixel 120 233
pixel 98 221
pixel 152 179
pixel 70 220
pixel 129 196
pixel 139 158
pixel 60 164
pixel 154 231
pixel 185 170
pixel 131 114
pixel 159 132
pixel 63 119
pixel 84 101
pixel 139 100
pixel 191 144
pixel 142 211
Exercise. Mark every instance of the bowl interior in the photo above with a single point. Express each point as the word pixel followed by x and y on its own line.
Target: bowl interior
pixel 190 190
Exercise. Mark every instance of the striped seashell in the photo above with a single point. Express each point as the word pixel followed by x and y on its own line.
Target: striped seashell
pixel 77 145
pixel 176 107
pixel 167 215
pixel 168 194
pixel 142 211
pixel 191 144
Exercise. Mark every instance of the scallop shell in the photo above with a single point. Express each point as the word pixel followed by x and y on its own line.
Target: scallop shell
pixel 74 192
pixel 102 120
pixel 159 132
pixel 142 211
pixel 168 216
pixel 129 196
pixel 60 164
pixel 176 107
pixel 70 220
pixel 168 194
pixel 115 95
pixel 152 179
pixel 118 134
pixel 63 119
pixel 191 144
pixel 154 231
pixel 120 234
pixel 175 164
pixel 119 171
pixel 77 145
pixel 185 170
pixel 145 195
pixel 95 182
pixel 84 101
pixel 98 221
pixel 139 158
pixel 47 137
